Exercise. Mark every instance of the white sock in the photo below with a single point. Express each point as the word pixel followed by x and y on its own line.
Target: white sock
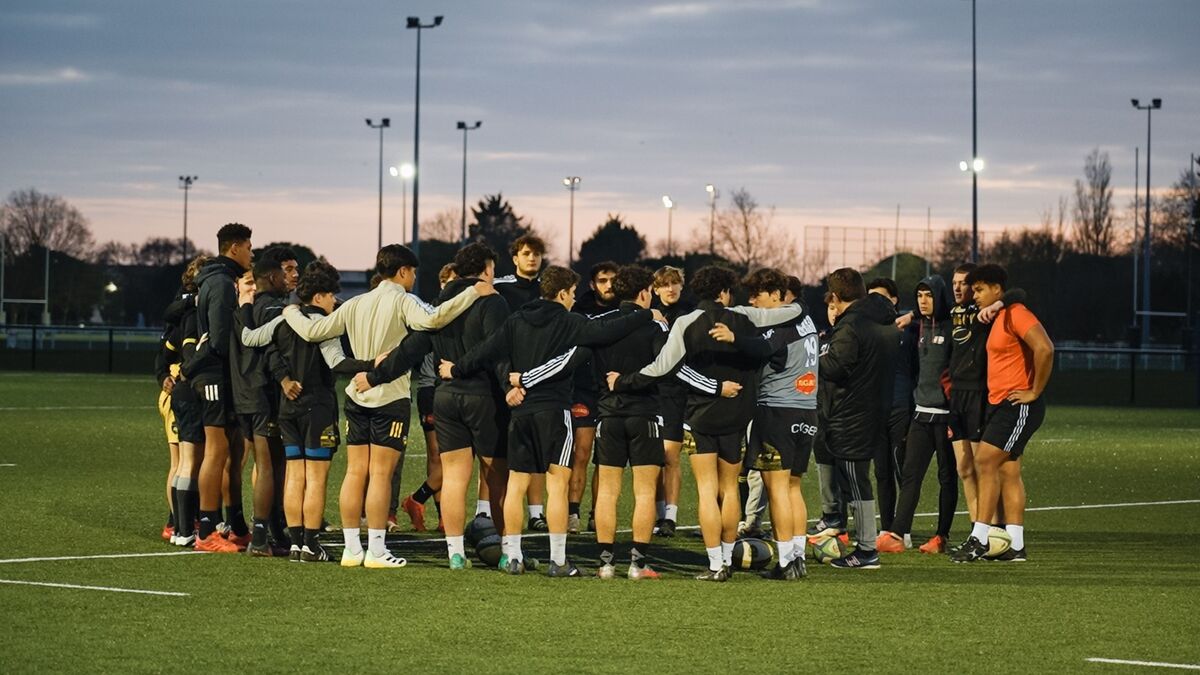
pixel 799 543
pixel 785 552
pixel 908 541
pixel 483 506
pixel 511 545
pixel 714 558
pixel 1017 532
pixel 727 554
pixel 558 549
pixel 535 511
pixel 980 532
pixel 672 512
pixel 353 543
pixel 375 542
pixel 660 509
pixel 455 545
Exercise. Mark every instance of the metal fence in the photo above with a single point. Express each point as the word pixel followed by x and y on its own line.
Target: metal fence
pixel 1083 375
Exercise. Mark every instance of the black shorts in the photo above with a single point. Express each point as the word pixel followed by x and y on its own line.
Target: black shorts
pixel 728 447
pixel 1009 427
pixel 386 425
pixel 538 439
pixel 584 410
pixel 781 439
pixel 262 422
pixel 215 401
pixel 425 407
pixel 468 421
pixel 188 422
pixel 313 436
pixel 967 411
pixel 632 441
pixel 671 419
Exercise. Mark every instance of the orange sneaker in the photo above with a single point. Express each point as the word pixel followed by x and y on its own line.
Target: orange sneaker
pixel 415 511
pixel 215 543
pixel 934 546
pixel 889 543
pixel 241 542
pixel 168 533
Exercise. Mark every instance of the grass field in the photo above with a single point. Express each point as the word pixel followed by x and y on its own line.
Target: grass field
pixel 82 464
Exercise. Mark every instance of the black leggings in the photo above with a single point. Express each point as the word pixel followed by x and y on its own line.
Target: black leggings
pixel 925 439
pixel 889 460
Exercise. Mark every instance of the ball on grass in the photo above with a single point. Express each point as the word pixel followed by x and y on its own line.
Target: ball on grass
pixel 828 549
pixel 751 554
pixel 998 541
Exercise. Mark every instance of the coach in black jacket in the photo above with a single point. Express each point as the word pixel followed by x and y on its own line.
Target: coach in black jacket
pixel 858 370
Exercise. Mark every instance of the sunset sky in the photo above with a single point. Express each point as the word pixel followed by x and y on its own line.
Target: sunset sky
pixel 832 111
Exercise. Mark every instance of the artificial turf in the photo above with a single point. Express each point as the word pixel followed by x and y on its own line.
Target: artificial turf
pixel 88 462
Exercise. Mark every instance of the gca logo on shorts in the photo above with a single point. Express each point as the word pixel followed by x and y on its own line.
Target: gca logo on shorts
pixel 804 428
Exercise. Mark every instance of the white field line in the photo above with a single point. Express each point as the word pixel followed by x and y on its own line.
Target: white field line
pixel 6 465
pixel 52 408
pixel 1148 664
pixel 93 588
pixel 98 557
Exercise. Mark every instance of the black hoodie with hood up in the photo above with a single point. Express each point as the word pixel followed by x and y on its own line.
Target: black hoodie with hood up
pixel 215 303
pixel 935 343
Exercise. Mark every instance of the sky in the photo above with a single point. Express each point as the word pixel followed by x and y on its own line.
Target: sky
pixel 833 112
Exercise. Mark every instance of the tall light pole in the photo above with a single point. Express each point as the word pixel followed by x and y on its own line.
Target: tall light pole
pixel 974 166
pixel 572 184
pixel 974 150
pixel 415 23
pixel 383 124
pixel 712 218
pixel 670 206
pixel 1154 104
pixel 185 184
pixel 405 174
pixel 465 129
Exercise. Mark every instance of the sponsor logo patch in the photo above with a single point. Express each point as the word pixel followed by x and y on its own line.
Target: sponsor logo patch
pixel 806 383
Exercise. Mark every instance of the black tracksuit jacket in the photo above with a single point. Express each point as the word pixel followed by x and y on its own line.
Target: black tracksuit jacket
pixel 215 304
pixel 303 362
pixel 629 355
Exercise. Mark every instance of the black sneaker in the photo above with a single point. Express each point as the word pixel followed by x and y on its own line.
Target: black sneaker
pixel 776 573
pixel 567 569
pixel 666 528
pixel 719 575
pixel 795 570
pixel 971 550
pixel 308 555
pixel 515 566
pixel 294 554
pixel 859 560
pixel 827 526
pixel 1011 555
pixel 258 550
pixel 538 524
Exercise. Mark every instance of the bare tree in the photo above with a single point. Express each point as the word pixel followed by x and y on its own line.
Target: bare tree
pixel 1093 212
pixel 443 226
pixel 116 253
pixel 1054 223
pixel 30 218
pixel 747 236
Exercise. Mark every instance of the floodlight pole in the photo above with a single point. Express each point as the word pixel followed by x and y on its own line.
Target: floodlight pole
pixel 415 23
pixel 185 184
pixel 465 129
pixel 974 149
pixel 383 124
pixel 572 184
pixel 1154 104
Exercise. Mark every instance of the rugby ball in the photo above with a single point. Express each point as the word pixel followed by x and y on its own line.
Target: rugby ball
pixel 751 554
pixel 828 549
pixel 477 529
pixel 488 550
pixel 998 541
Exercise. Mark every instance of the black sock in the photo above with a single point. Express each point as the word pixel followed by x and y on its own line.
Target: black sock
pixel 423 493
pixel 606 553
pixel 174 501
pixel 236 520
pixel 573 508
pixel 296 534
pixel 310 539
pixel 260 532
pixel 637 554
pixel 437 504
pixel 185 507
pixel 208 523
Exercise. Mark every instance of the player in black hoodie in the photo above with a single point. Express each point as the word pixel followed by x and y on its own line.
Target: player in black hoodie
pixel 208 372
pixel 857 372
pixel 670 300
pixel 539 342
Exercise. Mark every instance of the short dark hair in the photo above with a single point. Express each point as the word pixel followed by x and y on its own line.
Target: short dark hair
pixel 531 240
pixel 710 280
pixel 392 257
pixel 472 259
pixel 264 266
pixel 630 281
pixel 319 277
pixel 886 284
pixel 280 253
pixel 990 274
pixel 555 279
pixel 965 268
pixel 606 266
pixel 847 284
pixel 796 286
pixel 230 234
pixel 765 280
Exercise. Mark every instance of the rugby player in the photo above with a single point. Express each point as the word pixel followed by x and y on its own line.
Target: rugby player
pixel 668 298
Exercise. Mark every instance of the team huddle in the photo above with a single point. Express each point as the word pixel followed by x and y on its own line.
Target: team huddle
pixel 540 390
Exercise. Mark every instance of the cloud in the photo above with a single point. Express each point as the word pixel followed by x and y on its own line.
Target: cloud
pixel 68 75
pixel 52 20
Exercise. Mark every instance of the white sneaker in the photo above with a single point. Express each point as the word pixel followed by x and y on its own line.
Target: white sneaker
pixel 385 561
pixel 645 572
pixel 351 560
pixel 180 540
pixel 607 571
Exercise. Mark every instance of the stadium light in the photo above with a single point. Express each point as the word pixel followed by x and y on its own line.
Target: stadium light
pixel 465 128
pixel 712 218
pixel 1155 104
pixel 669 204
pixel 415 23
pixel 383 124
pixel 572 184
pixel 185 184
pixel 404 173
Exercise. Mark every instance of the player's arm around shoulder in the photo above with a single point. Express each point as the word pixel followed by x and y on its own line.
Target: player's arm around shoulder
pixel 319 329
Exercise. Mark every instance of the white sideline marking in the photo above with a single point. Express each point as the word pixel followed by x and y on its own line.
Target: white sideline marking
pixel 75 407
pixel 96 557
pixel 93 588
pixel 1151 664
pixel 5 465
